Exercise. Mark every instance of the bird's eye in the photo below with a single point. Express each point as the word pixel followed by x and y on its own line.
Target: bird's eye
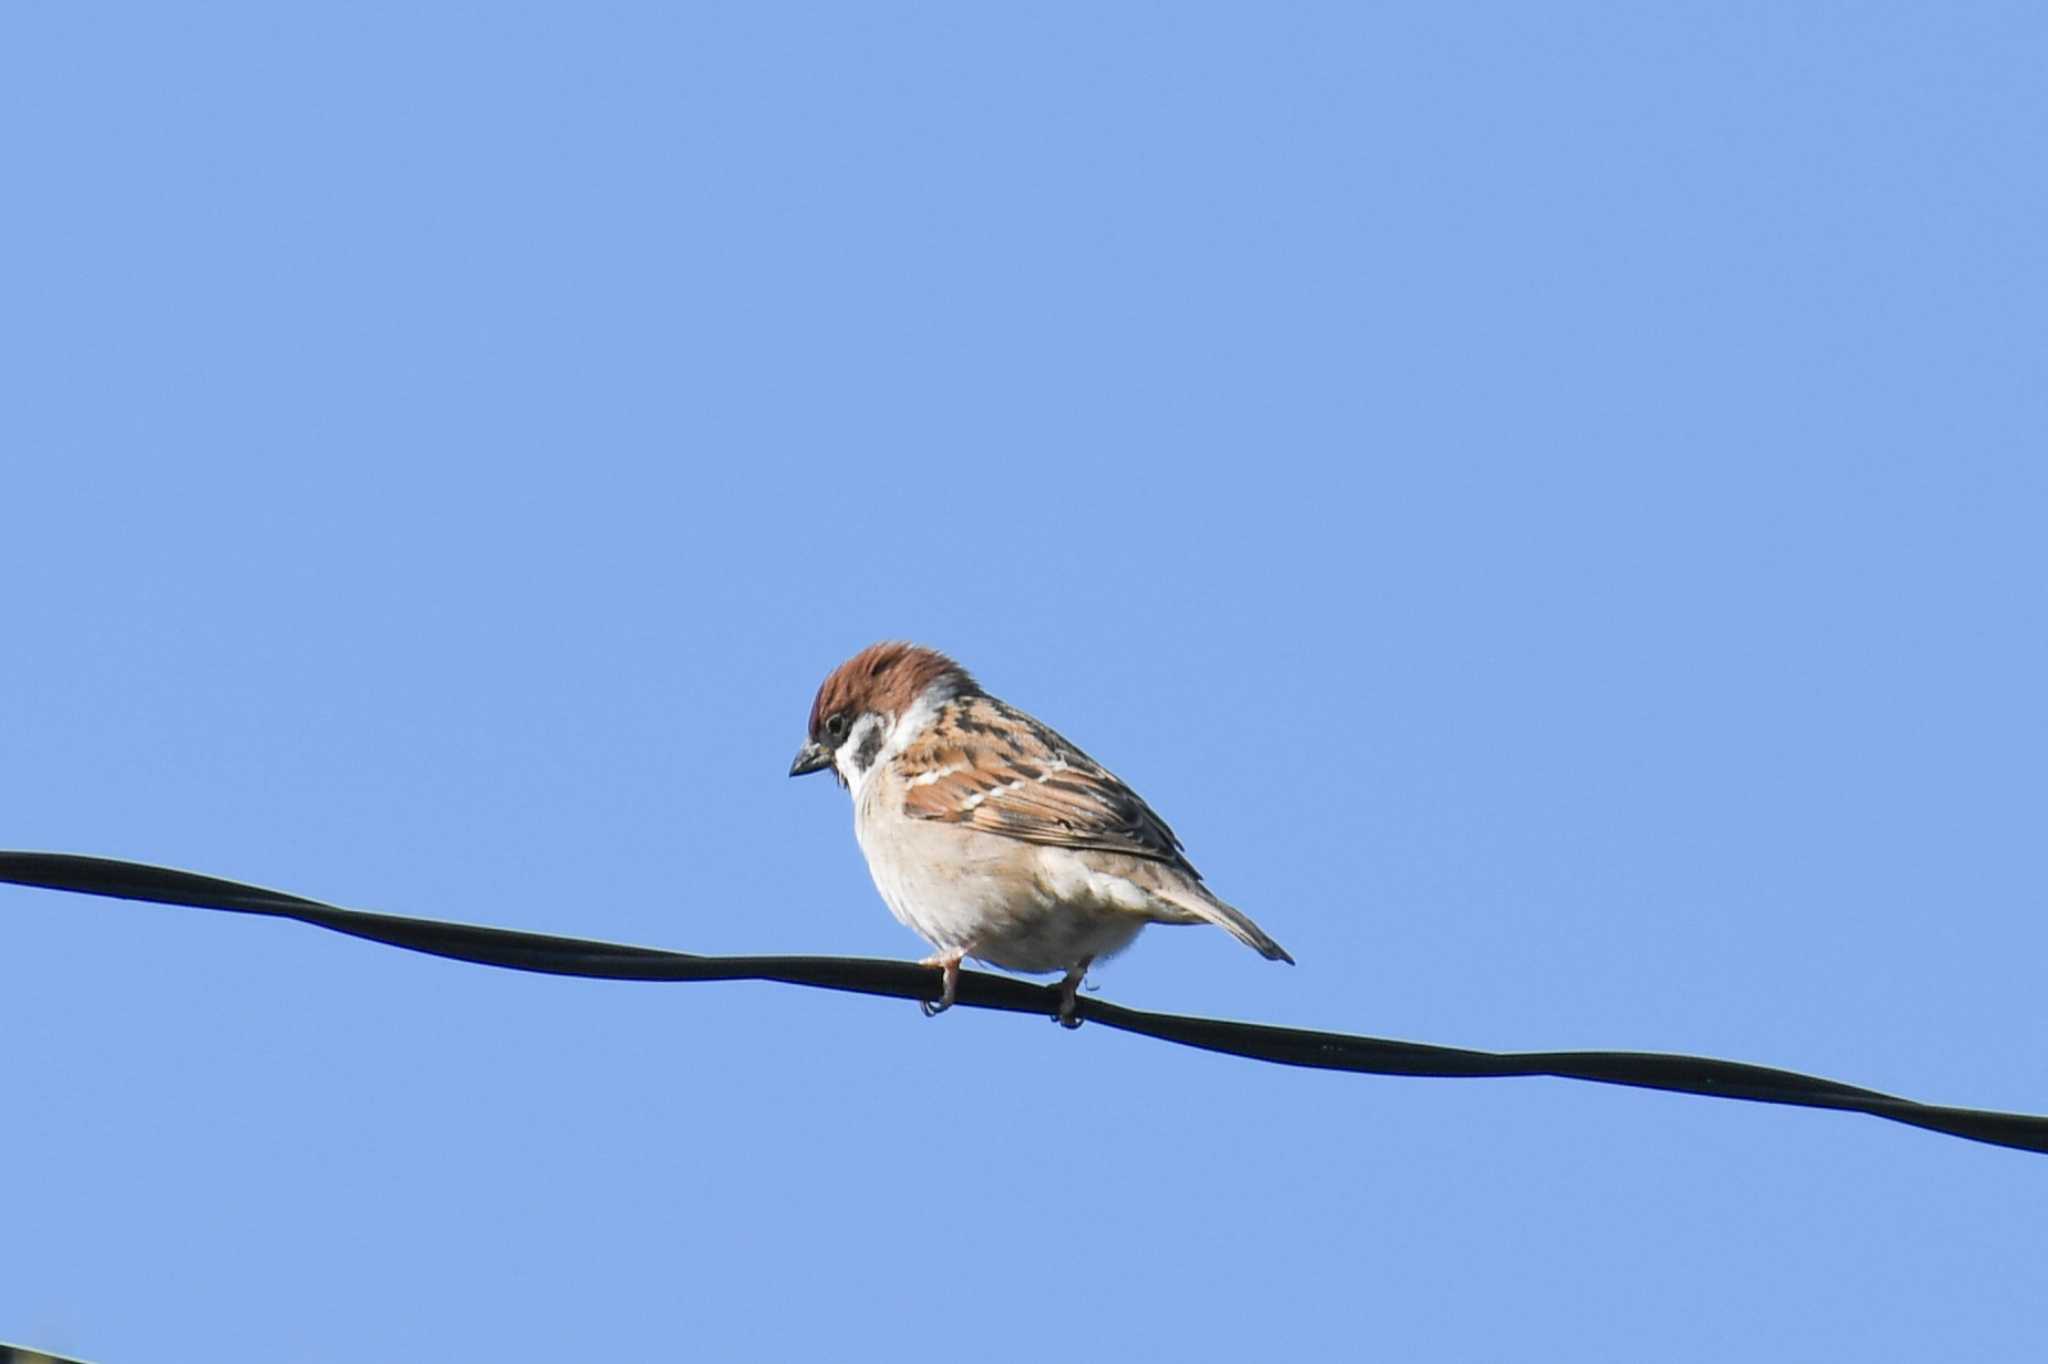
pixel 836 726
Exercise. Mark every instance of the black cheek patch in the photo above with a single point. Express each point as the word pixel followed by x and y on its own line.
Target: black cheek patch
pixel 870 749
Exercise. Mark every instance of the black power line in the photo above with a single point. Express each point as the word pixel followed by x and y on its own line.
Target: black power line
pixel 905 980
pixel 21 1354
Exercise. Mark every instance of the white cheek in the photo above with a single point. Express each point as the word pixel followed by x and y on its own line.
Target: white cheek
pixel 895 738
pixel 857 739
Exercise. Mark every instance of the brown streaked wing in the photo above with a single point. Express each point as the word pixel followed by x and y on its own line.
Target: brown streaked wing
pixel 1030 784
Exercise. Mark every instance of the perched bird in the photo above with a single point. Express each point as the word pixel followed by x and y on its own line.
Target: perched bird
pixel 992 836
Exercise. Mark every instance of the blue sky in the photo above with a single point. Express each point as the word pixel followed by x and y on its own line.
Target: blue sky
pixel 1548 500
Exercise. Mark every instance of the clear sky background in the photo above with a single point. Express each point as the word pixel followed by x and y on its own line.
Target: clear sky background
pixel 1549 500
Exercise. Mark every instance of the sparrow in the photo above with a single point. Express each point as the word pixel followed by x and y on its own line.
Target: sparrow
pixel 989 834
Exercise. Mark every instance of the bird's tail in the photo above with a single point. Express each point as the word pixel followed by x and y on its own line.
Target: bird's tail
pixel 1233 921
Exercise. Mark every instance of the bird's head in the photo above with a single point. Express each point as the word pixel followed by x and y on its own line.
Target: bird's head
pixel 864 704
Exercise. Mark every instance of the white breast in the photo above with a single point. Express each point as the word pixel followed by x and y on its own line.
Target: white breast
pixel 1016 905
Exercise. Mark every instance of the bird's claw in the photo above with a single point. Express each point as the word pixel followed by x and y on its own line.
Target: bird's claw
pixel 1069 1015
pixel 949 982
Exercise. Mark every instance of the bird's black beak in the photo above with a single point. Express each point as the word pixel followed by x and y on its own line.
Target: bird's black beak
pixel 812 757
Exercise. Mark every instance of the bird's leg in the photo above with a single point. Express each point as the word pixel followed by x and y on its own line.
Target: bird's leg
pixel 1069 1015
pixel 949 962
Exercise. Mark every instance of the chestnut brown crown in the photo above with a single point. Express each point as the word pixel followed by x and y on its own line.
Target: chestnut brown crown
pixel 884 678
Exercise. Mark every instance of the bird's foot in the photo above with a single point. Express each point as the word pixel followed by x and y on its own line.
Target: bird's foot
pixel 949 963
pixel 1069 1015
